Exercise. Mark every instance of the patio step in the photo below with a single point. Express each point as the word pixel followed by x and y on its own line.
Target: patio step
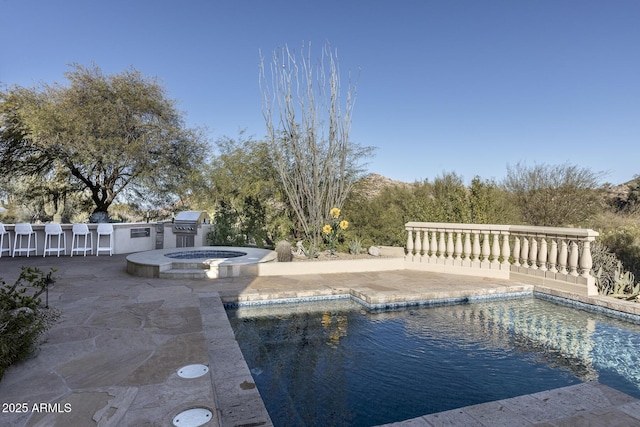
pixel 184 273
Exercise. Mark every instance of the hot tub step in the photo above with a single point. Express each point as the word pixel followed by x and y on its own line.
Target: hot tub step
pixel 182 273
pixel 189 265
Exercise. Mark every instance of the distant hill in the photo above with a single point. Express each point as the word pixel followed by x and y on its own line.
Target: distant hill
pixel 618 195
pixel 373 184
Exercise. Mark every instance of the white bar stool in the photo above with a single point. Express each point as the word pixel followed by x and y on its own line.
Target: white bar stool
pixel 81 230
pixel 51 230
pixel 104 229
pixel 21 230
pixel 4 232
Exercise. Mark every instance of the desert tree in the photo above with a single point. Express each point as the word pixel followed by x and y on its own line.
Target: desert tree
pixel 308 123
pixel 554 195
pixel 490 203
pixel 449 199
pixel 243 188
pixel 112 134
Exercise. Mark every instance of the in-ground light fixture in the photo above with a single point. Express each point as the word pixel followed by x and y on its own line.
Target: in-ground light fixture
pixel 48 281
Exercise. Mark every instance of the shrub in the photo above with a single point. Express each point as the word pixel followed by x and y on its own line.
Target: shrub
pixel 380 219
pixel 554 195
pixel 23 319
pixel 226 230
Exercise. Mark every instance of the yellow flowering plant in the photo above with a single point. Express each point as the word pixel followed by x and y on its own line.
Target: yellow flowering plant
pixel 332 232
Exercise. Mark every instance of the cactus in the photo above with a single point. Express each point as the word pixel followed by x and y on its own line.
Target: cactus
pixel 283 249
pixel 355 247
pixel 611 277
pixel 622 285
pixel 312 252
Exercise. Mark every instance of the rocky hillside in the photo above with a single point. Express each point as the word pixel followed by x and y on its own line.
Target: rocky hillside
pixel 373 184
pixel 624 195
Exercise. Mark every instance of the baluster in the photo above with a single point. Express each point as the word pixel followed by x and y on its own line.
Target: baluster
pixel 476 246
pixel 533 253
pixel 450 245
pixel 562 256
pixel 524 253
pixel 516 251
pixel 573 258
pixel 585 260
pixel 505 248
pixel 495 249
pixel 410 243
pixel 553 256
pixel 485 246
pixel 458 247
pixel 543 254
pixel 425 244
pixel 467 246
pixel 441 246
pixel 418 244
pixel 433 245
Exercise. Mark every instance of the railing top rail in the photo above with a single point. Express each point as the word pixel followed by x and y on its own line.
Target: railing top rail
pixel 456 226
pixel 556 231
pixel 524 229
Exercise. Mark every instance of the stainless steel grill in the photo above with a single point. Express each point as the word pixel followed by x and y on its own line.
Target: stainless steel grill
pixel 187 222
pixel 185 226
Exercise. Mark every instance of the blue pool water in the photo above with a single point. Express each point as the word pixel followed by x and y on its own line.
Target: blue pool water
pixel 211 253
pixel 334 363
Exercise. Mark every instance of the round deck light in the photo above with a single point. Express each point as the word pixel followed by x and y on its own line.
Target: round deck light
pixel 192 417
pixel 193 371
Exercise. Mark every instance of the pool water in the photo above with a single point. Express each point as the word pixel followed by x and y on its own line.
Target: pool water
pixel 205 254
pixel 334 363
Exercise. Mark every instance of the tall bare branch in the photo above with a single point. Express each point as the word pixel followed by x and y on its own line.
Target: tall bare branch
pixel 308 129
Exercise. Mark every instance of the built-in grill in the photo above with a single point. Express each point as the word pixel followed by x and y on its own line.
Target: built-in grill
pixel 185 227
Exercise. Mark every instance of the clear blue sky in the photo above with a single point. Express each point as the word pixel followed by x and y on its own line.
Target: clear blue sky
pixel 465 86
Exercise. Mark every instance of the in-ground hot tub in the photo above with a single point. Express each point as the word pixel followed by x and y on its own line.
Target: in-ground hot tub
pixel 204 262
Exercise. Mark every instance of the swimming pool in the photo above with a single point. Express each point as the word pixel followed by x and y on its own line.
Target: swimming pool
pixel 334 363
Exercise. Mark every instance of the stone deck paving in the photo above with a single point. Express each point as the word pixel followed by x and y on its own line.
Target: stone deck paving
pixel 114 354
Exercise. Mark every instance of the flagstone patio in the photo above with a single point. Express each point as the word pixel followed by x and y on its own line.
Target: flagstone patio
pixel 113 357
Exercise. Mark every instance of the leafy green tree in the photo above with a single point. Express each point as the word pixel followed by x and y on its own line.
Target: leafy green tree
pixel 450 199
pixel 243 187
pixel 554 195
pixel 54 197
pixel 113 134
pixel 490 203
pixel 444 200
pixel 380 220
pixel 228 230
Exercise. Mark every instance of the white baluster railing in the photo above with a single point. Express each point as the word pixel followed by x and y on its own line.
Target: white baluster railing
pixel 503 251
